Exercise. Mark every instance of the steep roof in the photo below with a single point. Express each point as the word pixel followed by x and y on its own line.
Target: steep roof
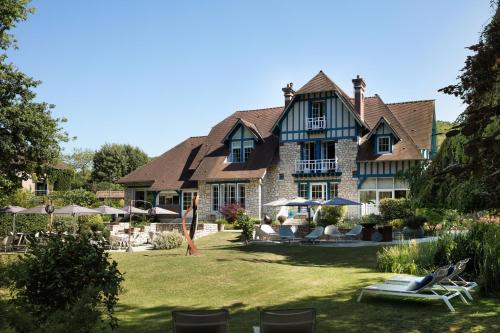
pixel 404 149
pixel 210 160
pixel 416 117
pixel 251 127
pixel 170 171
pixel 319 83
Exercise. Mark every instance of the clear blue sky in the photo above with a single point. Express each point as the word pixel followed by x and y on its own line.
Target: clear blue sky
pixel 152 73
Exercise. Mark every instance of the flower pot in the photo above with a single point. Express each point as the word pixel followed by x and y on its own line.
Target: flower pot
pixel 220 227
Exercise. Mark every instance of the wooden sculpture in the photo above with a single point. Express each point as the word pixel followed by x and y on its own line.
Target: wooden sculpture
pixel 191 249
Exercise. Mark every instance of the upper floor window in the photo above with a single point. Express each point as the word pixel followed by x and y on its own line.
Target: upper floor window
pixel 241 152
pixel 383 144
pixel 247 149
pixel 236 152
pixel 318 109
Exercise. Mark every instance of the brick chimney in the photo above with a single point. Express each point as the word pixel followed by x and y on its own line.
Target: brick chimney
pixel 288 91
pixel 359 96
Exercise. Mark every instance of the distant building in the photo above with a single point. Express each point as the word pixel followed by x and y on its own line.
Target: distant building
pixel 42 185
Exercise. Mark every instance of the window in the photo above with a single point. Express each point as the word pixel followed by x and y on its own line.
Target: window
pixel 318 109
pixel 383 144
pixel 187 199
pixel 231 193
pixel 247 149
pixel 328 150
pixel 215 197
pixel 304 190
pixel 384 195
pixel 367 196
pixel 235 152
pixel 318 191
pixel 309 151
pixel 281 176
pixel 399 194
pixel 242 194
pixel 334 190
pixel 166 200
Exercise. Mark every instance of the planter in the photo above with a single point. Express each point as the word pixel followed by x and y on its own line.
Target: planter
pixel 387 233
pixel 220 227
pixel 413 233
pixel 368 229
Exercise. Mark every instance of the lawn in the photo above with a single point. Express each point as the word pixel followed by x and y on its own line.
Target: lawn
pixel 248 278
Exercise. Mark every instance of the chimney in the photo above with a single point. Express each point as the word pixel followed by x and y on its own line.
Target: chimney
pixel 288 91
pixel 359 96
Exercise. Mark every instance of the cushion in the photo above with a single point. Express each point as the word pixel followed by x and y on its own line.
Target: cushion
pixel 416 285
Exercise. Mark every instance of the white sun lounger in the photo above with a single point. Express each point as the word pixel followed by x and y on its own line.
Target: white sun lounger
pixel 265 231
pixel 425 291
pixel 452 281
pixel 315 234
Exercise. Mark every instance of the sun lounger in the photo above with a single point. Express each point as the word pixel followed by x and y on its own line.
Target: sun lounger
pixel 201 321
pixel 452 281
pixel 315 234
pixel 7 243
pixel 287 321
pixel 287 232
pixel 332 231
pixel 423 289
pixel 355 232
pixel 265 231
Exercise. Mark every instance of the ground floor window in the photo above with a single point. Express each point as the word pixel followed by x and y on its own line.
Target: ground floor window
pixel 187 199
pixel 225 194
pixel 304 190
pixel 168 200
pixel 334 190
pixel 400 194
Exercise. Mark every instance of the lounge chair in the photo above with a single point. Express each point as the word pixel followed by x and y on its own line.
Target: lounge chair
pixel 315 234
pixel 265 231
pixel 332 231
pixel 201 321
pixel 7 243
pixel 355 232
pixel 287 321
pixel 423 289
pixel 287 232
pixel 452 281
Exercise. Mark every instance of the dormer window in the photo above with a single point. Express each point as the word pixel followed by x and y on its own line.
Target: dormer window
pixel 247 149
pixel 235 152
pixel 384 144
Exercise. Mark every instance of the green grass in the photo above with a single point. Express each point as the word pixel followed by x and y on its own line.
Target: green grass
pixel 246 279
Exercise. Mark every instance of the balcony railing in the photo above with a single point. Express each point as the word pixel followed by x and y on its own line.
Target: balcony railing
pixel 317 123
pixel 316 166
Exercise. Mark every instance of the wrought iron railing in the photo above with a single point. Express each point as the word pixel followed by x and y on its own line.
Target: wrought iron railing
pixel 316 166
pixel 316 123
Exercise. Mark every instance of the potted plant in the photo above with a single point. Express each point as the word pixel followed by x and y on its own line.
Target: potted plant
pixel 281 219
pixel 220 224
pixel 369 222
pixel 414 226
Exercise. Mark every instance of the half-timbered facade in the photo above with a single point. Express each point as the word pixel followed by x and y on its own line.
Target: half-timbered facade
pixel 322 144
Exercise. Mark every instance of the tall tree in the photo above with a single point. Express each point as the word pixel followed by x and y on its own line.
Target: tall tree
pixel 29 136
pixel 114 161
pixel 465 173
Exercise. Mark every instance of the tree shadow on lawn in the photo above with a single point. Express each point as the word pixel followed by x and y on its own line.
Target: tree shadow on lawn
pixel 341 313
pixel 311 256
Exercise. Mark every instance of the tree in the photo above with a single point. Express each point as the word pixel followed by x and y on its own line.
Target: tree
pixel 465 172
pixel 81 161
pixel 29 136
pixel 114 161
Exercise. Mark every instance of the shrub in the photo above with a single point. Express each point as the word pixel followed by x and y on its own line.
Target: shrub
pixel 281 219
pixel 221 221
pixel 246 224
pixel 415 222
pixel 230 212
pixel 397 223
pixel 349 223
pixel 391 209
pixel 275 223
pixel 79 197
pixel 65 282
pixel 24 223
pixel 372 218
pixel 408 258
pixel 167 240
pixel 20 197
pixel 331 215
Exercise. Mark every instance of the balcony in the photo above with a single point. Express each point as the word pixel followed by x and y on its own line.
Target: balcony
pixel 316 166
pixel 316 124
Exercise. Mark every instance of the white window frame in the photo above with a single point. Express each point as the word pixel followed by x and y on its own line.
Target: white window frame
pixel 212 203
pixel 236 145
pixel 247 144
pixel 318 109
pixel 380 151
pixel 238 196
pixel 323 190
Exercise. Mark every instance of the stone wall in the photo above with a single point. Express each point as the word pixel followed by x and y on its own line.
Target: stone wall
pixel 346 151
pixel 203 229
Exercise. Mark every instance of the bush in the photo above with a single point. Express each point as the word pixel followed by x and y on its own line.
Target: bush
pixel 24 223
pixel 167 240
pixel 79 197
pixel 246 224
pixel 373 218
pixel 281 219
pixel 391 209
pixel 275 223
pixel 68 282
pixel 20 197
pixel 415 222
pixel 230 212
pixel 331 215
pixel 397 223
pixel 408 258
pixel 221 222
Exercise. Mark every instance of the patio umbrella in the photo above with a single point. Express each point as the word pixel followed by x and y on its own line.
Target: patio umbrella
pixel 340 202
pixel 160 211
pixel 12 210
pixel 107 210
pixel 134 210
pixel 75 210
pixel 35 210
pixel 301 202
pixel 277 203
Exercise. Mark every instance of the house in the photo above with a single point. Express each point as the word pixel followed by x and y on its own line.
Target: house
pixel 321 144
pixel 44 185
pixel 105 195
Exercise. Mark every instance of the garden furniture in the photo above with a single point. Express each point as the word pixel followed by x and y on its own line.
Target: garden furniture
pixel 355 232
pixel 289 321
pixel 287 232
pixel 423 289
pixel 7 243
pixel 315 234
pixel 201 321
pixel 265 231
pixel 332 231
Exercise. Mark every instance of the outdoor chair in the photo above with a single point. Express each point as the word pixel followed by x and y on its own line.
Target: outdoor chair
pixel 332 231
pixel 314 235
pixel 423 289
pixel 201 321
pixel 265 231
pixel 452 281
pixel 355 232
pixel 287 232
pixel 287 321
pixel 7 243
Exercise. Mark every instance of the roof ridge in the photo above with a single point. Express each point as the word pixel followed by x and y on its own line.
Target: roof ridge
pixel 197 136
pixel 414 101
pixel 268 108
